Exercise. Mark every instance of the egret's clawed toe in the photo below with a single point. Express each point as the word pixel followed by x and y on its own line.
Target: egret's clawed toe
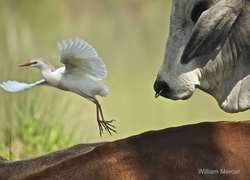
pixel 107 126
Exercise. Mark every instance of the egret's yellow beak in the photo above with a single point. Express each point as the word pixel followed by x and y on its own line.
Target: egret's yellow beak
pixel 26 64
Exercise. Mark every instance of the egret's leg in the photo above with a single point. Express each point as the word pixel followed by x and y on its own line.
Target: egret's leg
pixel 98 120
pixel 102 123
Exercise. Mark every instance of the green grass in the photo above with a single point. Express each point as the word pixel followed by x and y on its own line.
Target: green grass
pixel 129 36
pixel 29 130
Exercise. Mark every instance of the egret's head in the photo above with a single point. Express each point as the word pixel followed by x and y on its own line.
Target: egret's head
pixel 31 64
pixel 38 63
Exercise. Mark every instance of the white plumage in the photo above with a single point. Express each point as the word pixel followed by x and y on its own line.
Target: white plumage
pixel 14 86
pixel 82 72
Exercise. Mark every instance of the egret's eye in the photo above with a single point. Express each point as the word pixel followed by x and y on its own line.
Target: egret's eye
pixel 35 62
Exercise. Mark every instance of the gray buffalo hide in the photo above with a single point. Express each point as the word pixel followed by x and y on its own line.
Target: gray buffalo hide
pixel 208 48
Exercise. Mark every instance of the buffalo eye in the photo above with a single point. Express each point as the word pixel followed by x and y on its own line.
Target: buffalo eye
pixel 197 11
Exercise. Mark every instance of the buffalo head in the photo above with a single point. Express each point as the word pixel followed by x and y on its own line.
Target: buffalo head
pixel 208 47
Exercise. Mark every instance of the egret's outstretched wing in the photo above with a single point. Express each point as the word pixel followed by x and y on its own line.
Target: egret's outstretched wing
pixel 14 86
pixel 81 58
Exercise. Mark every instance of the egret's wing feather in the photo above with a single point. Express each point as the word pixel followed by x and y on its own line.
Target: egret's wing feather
pixel 81 58
pixel 14 86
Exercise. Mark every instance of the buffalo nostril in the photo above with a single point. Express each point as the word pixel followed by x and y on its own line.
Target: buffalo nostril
pixel 161 88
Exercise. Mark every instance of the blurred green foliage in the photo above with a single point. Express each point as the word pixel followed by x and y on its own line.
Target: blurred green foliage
pixel 129 36
pixel 33 132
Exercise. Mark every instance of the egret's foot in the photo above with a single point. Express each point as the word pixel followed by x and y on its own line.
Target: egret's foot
pixel 107 126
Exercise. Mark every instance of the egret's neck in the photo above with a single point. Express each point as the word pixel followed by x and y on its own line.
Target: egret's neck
pixel 47 67
pixel 53 77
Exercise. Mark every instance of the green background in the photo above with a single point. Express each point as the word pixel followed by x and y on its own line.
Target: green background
pixel 128 35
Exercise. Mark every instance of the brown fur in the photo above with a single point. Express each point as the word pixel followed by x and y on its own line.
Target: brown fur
pixel 20 169
pixel 173 153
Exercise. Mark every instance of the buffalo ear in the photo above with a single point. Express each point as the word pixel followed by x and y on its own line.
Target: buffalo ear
pixel 212 28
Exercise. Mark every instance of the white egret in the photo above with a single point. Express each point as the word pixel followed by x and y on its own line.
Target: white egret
pixel 82 72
